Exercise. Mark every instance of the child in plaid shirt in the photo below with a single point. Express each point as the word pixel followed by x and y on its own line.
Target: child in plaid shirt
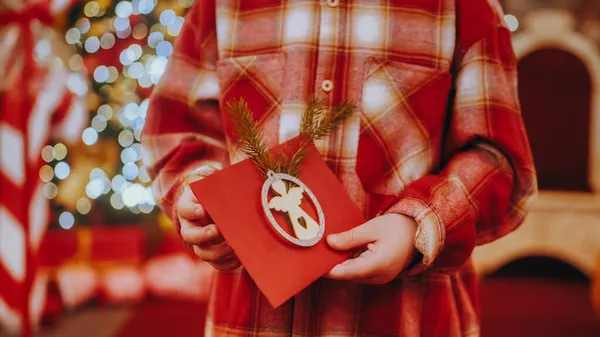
pixel 436 157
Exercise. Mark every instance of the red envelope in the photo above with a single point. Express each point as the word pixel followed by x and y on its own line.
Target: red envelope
pixel 280 269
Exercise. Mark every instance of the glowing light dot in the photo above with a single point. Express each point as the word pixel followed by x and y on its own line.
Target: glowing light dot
pixel 76 62
pixel 146 6
pixel 83 206
pixel 46 173
pixel 127 57
pixel 123 34
pixel 136 70
pixel 90 136
pixel 134 195
pixel 128 156
pixel 138 134
pixel 155 38
pixel 101 74
pixel 139 31
pixel 137 147
pixel 48 153
pixel 66 220
pixel 146 208
pixel 106 111
pixel 107 41
pixel 50 190
pixel 121 24
pixel 99 123
pixel 143 175
pixel 124 9
pixel 116 201
pixel 130 171
pixel 164 49
pixel 131 111
pixel 175 27
pixel 42 49
pixel 113 74
pixel 91 9
pixel 144 107
pixel 167 17
pixel 60 151
pixel 72 36
pixel 94 188
pixel 83 25
pixel 137 51
pixel 186 3
pixel 512 22
pixel 62 170
pixel 156 67
pixel 125 138
pixel 92 44
pixel 145 80
pixel 97 173
pixel 77 84
pixel 117 183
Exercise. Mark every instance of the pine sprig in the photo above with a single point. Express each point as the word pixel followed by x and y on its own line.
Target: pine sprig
pixel 329 121
pixel 317 122
pixel 252 141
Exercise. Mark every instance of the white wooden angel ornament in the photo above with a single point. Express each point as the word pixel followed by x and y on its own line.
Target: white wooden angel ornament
pixel 307 232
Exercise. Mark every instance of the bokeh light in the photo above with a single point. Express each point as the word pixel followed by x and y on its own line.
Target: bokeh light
pixel 106 111
pixel 124 9
pixel 90 136
pixel 83 25
pixel 101 74
pixel 66 220
pixel 83 206
pixel 130 171
pixel 62 170
pixel 95 188
pixel 107 41
pixel 91 9
pixel 140 31
pixel 164 49
pixel 73 35
pixel 125 138
pixel 92 44
pixel 99 123
pixel 50 190
pixel 46 173
pixel 167 17
pixel 60 151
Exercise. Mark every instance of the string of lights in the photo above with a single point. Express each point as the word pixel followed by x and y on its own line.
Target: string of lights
pixel 143 31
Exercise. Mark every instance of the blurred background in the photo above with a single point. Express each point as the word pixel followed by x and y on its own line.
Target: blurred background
pixel 99 259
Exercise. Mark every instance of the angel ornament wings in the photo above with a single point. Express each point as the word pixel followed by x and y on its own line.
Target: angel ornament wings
pixel 306 231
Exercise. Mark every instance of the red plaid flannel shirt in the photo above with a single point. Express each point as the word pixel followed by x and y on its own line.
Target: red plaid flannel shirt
pixel 438 137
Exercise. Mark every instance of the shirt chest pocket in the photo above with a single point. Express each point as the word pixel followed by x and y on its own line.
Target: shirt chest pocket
pixel 258 80
pixel 403 112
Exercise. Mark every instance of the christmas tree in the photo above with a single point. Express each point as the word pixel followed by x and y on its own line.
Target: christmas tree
pixel 123 47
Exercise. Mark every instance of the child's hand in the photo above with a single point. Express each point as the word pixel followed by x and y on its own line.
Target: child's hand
pixel 389 249
pixel 207 242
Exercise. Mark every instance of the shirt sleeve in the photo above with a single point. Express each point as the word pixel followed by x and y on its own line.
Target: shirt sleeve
pixel 488 180
pixel 183 135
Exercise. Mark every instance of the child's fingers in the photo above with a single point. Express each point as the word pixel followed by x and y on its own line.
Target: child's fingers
pixel 361 268
pixel 199 236
pixel 190 211
pixel 214 253
pixel 356 237
pixel 231 263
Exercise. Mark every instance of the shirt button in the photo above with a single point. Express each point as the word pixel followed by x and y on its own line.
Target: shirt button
pixel 327 85
pixel 333 3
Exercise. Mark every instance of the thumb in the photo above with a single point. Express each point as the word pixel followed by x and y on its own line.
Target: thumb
pixel 356 237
